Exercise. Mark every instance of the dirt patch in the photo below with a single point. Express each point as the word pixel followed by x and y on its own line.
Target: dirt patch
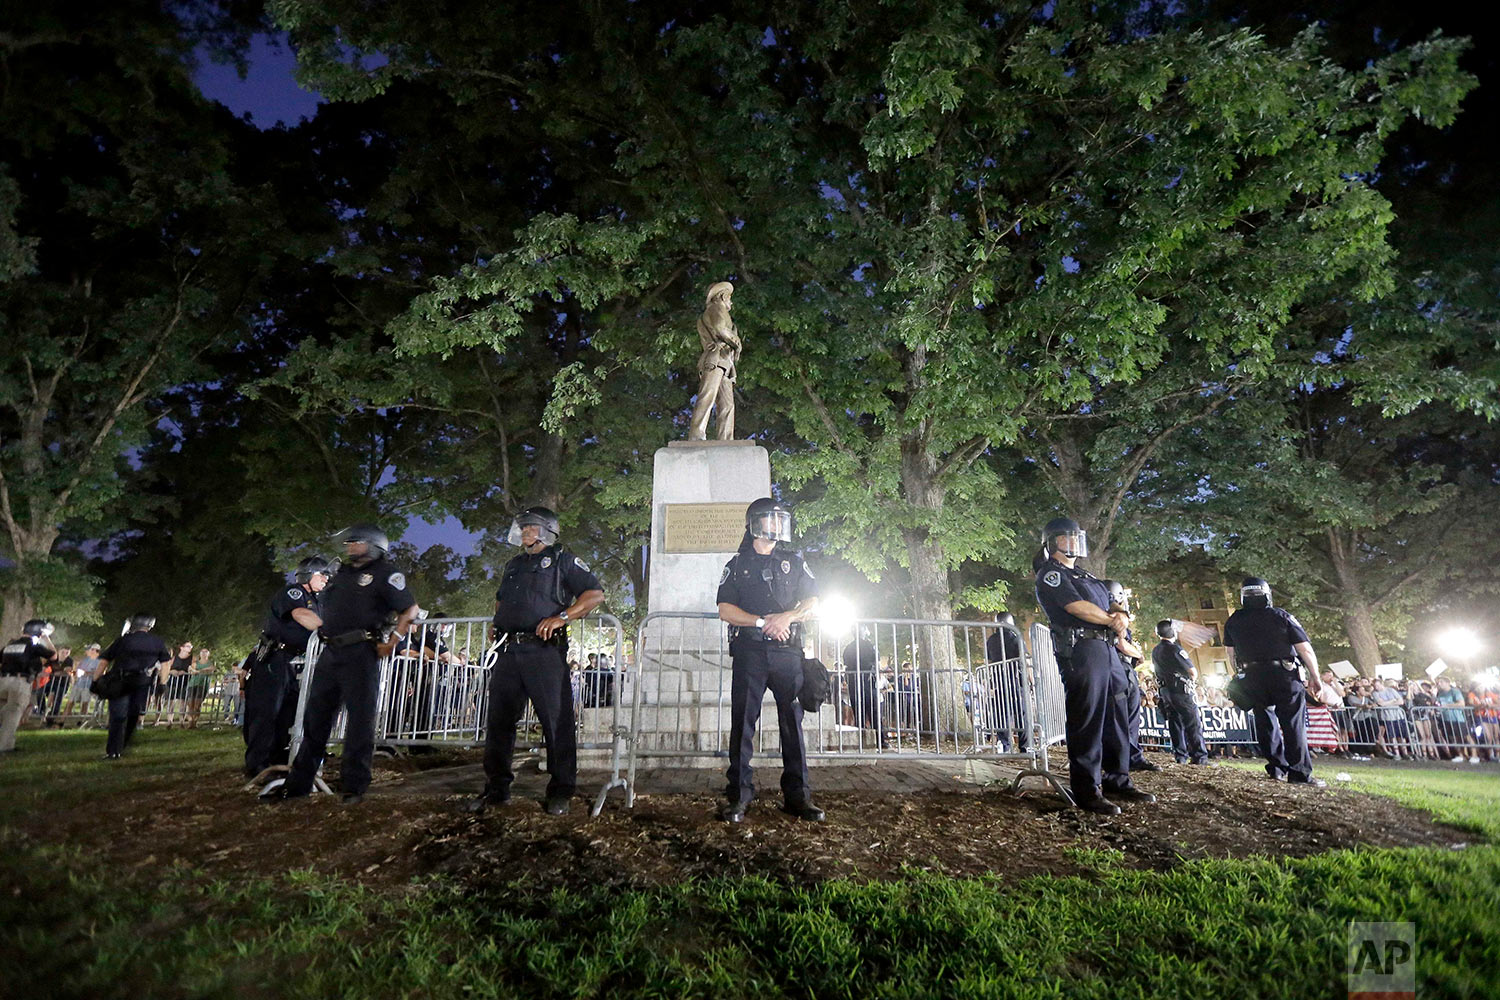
pixel 401 833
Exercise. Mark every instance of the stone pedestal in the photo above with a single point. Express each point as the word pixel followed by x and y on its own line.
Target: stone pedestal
pixel 699 472
pixel 685 683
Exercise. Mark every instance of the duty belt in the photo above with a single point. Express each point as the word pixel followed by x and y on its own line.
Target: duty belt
pixel 748 633
pixel 1085 632
pixel 345 638
pixel 1284 664
pixel 531 637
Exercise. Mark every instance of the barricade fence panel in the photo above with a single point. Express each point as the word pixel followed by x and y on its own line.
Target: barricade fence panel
pixel 902 688
pixel 434 690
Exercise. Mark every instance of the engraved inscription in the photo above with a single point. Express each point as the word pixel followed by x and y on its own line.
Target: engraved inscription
pixel 703 527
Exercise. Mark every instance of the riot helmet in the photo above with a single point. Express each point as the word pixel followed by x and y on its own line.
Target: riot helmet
pixel 768 518
pixel 310 566
pixel 1118 595
pixel 442 628
pixel 1006 618
pixel 1255 593
pixel 1166 629
pixel 1075 541
pixel 548 529
pixel 142 622
pixel 38 627
pixel 368 533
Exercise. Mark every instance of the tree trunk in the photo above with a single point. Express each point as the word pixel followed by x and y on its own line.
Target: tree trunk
pixel 1359 618
pixel 18 610
pixel 1359 625
pixel 546 480
pixel 942 699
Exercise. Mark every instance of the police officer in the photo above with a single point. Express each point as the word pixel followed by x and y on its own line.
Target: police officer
pixel 1008 697
pixel 1176 678
pixel 138 655
pixel 355 607
pixel 1265 644
pixel 1133 656
pixel 765 593
pixel 541 590
pixel 20 662
pixel 1083 636
pixel 271 690
pixel 862 667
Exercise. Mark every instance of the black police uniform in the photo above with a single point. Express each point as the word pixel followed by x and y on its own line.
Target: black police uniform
pixel 1174 686
pixel 23 657
pixel 533 587
pixel 1008 694
pixel 1262 640
pixel 765 585
pixel 1133 709
pixel 1094 680
pixel 271 690
pixel 862 667
pixel 136 655
pixel 355 605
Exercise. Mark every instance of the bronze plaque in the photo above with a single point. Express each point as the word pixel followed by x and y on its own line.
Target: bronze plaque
pixel 703 527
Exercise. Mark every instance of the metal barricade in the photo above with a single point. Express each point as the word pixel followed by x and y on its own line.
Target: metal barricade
pixel 434 691
pixel 900 689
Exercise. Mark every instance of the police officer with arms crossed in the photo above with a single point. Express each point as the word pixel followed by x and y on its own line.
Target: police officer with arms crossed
pixel 541 590
pixel 1175 680
pixel 138 655
pixel 1093 674
pixel 355 607
pixel 1132 655
pixel 765 593
pixel 1265 644
pixel 20 662
pixel 271 691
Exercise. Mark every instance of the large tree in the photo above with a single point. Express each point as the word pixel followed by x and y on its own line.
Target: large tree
pixel 943 219
pixel 129 248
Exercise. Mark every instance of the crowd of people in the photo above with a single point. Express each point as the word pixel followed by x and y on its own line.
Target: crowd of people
pixel 1364 717
pixel 62 695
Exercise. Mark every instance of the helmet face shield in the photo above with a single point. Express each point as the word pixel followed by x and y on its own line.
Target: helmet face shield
pixel 774 524
pixel 546 528
pixel 1073 544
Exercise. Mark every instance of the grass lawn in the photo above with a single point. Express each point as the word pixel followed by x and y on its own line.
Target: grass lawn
pixel 70 927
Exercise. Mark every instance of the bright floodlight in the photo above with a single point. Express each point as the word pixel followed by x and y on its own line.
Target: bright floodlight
pixel 1216 680
pixel 1460 643
pixel 837 615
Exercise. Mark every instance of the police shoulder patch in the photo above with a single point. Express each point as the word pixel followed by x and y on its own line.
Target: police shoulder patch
pixel 1292 619
pixel 581 564
pixel 397 580
pixel 1053 578
pixel 728 568
pixel 295 593
pixel 808 570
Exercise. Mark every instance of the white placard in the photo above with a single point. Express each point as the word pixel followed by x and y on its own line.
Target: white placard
pixel 1388 671
pixel 1343 668
pixel 1436 667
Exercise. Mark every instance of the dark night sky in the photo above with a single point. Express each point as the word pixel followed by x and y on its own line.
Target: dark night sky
pixel 270 95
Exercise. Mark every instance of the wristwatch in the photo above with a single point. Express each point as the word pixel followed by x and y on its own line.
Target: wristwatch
pixel 760 623
pixel 563 615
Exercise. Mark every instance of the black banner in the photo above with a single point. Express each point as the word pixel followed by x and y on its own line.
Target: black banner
pixel 1220 725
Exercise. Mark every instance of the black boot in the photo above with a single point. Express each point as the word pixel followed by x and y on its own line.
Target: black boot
pixel 804 810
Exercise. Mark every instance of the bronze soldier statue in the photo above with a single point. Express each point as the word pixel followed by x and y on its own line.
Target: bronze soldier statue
pixel 721 349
